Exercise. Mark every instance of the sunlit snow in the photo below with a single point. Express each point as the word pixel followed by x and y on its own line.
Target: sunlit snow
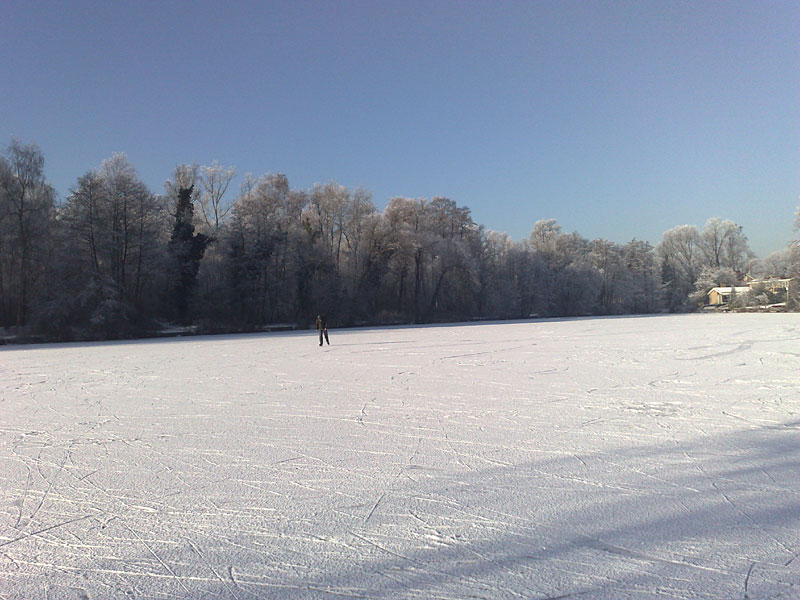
pixel 615 458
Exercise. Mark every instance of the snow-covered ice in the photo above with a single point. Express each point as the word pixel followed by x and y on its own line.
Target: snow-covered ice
pixel 615 458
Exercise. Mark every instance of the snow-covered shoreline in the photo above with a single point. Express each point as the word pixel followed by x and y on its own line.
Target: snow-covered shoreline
pixel 602 458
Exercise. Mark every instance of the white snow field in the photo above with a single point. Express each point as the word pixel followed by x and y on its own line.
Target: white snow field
pixel 613 458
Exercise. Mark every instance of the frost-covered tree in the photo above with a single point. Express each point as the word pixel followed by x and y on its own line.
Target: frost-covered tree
pixel 116 235
pixel 496 293
pixel 681 260
pixel 683 253
pixel 282 255
pixel 214 181
pixel 640 262
pixel 435 245
pixel 450 270
pixel 793 300
pixel 412 242
pixel 724 245
pixel 361 258
pixel 544 236
pixel 209 290
pixel 607 259
pixel 776 264
pixel 325 217
pixel 26 216
pixel 575 284
pixel 576 277
pixel 267 259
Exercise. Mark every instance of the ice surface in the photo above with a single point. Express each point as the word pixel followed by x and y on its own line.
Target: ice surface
pixel 651 457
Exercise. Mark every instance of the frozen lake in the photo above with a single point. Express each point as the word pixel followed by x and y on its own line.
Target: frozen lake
pixel 616 458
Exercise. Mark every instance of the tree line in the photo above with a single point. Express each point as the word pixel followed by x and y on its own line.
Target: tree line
pixel 114 259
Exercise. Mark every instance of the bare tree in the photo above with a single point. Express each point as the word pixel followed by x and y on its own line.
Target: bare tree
pixel 607 259
pixel 724 245
pixel 544 235
pixel 117 231
pixel 640 262
pixel 214 181
pixel 26 208
pixel 681 261
pixel 326 215
pixel 268 265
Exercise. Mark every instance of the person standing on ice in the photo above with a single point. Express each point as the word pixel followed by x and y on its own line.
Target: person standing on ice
pixel 322 327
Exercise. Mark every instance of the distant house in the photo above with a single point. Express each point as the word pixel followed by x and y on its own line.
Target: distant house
pixel 775 286
pixel 722 295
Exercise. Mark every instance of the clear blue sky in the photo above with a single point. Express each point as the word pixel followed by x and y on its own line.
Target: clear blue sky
pixel 618 119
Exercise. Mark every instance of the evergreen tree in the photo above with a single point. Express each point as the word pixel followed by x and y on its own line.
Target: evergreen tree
pixel 187 249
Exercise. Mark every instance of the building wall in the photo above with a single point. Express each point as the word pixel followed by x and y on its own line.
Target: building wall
pixel 714 297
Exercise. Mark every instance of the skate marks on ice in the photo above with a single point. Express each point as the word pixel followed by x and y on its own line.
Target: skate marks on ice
pixel 438 466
